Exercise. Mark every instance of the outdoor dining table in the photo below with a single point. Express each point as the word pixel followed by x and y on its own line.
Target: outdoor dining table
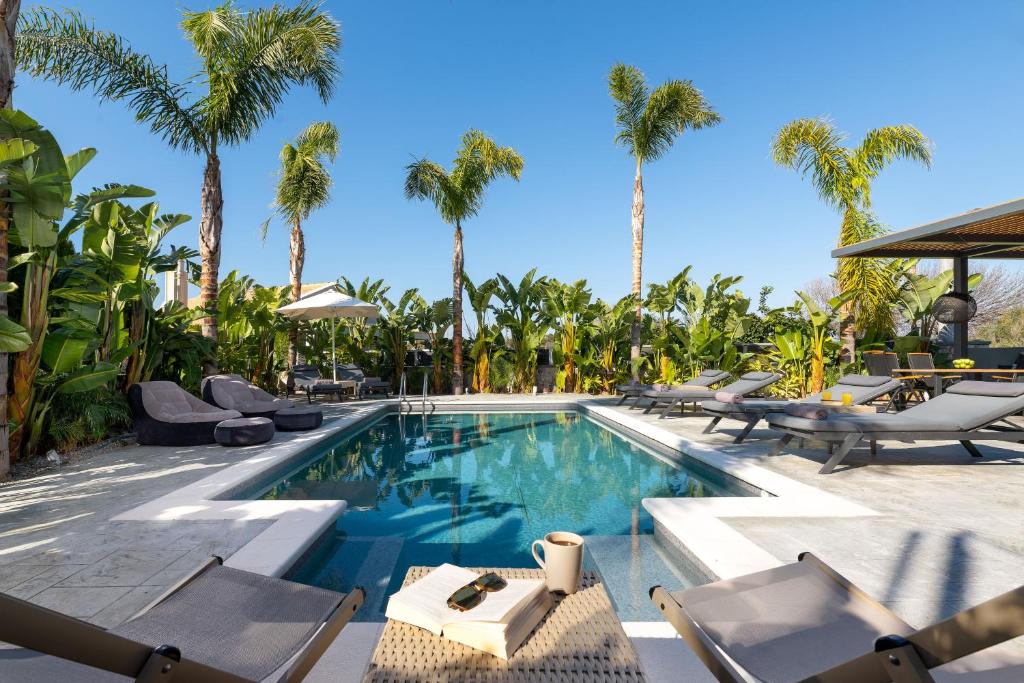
pixel 958 372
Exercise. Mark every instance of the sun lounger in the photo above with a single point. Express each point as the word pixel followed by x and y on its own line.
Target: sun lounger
pixel 232 392
pixel 167 415
pixel 366 385
pixel 966 412
pixel 218 625
pixel 805 622
pixel 863 389
pixel 706 378
pixel 746 384
pixel 307 378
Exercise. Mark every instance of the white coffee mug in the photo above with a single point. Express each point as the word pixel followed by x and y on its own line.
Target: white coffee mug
pixel 562 562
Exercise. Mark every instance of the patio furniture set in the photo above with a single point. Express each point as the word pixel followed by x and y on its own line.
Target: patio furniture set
pixel 226 625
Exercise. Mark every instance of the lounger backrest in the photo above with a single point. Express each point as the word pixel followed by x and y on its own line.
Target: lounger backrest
pixel 862 388
pixel 750 382
pixel 165 400
pixel 920 361
pixel 708 377
pixel 972 404
pixel 230 394
pixel 788 623
pixel 351 372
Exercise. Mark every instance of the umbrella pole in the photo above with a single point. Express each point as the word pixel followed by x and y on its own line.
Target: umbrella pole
pixel 334 359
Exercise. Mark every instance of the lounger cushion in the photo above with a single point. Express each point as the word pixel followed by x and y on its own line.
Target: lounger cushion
pixel 862 422
pixel 1000 389
pixel 748 407
pixel 167 402
pixel 237 394
pixel 860 393
pixel 864 380
pixel 757 376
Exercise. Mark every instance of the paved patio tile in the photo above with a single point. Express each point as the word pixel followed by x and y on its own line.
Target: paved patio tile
pixel 50 576
pixel 127 606
pixel 80 601
pixel 13 574
pixel 124 568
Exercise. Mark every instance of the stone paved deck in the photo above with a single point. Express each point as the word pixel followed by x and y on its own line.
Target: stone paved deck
pixel 950 532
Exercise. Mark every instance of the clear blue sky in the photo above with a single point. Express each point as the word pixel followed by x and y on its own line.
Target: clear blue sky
pixel 533 75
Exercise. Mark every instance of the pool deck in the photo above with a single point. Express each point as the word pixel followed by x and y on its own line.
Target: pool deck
pixel 925 529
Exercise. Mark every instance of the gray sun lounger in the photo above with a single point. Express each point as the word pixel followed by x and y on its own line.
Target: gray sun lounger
pixel 746 384
pixel 805 622
pixel 218 625
pixel 968 411
pixel 706 378
pixel 862 388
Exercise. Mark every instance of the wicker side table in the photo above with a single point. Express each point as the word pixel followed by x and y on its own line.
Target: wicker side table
pixel 579 640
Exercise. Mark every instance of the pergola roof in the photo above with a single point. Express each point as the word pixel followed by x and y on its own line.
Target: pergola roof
pixel 993 232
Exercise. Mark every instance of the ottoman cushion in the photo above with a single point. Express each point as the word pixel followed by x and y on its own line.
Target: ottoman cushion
pixel 298 418
pixel 244 431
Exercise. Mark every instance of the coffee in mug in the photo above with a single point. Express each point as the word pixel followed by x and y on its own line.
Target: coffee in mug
pixel 562 560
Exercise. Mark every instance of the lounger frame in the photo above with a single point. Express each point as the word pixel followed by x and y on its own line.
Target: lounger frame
pixel 848 440
pixel 48 632
pixel 681 401
pixel 894 658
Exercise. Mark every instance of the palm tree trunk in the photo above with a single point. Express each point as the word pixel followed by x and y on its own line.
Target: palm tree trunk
pixel 457 264
pixel 8 21
pixel 210 226
pixel 845 278
pixel 638 257
pixel 296 262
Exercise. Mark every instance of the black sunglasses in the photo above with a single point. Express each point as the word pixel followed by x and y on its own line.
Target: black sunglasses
pixel 472 594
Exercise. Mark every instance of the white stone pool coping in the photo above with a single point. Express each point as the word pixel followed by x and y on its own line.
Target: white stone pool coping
pixel 695 525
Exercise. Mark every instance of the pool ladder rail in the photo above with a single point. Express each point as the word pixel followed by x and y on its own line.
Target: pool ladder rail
pixel 403 398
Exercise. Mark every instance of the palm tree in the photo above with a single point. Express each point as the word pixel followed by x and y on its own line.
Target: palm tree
pixel 303 187
pixel 648 125
pixel 250 60
pixel 457 195
pixel 842 176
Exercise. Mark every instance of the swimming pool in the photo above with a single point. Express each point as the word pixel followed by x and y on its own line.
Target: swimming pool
pixel 475 489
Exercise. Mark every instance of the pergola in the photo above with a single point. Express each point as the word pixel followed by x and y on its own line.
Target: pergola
pixel 995 232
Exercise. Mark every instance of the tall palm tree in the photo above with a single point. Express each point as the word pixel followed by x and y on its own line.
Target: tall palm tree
pixel 457 195
pixel 842 176
pixel 250 60
pixel 649 122
pixel 303 187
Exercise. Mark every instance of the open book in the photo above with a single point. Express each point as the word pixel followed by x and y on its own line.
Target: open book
pixel 498 625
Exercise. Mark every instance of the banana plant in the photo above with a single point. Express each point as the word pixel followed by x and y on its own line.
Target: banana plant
pixel 522 317
pixel 790 356
pixel 356 334
pixel 664 300
pixel 395 330
pixel 568 307
pixel 435 319
pixel 251 328
pixel 40 192
pixel 608 341
pixel 822 320
pixel 487 342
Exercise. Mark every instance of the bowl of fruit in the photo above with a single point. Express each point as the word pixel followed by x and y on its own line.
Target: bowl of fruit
pixel 963 363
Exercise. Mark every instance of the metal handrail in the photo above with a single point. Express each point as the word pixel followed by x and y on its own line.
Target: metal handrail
pixel 401 394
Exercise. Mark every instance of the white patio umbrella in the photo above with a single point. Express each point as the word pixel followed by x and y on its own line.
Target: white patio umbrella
pixel 331 303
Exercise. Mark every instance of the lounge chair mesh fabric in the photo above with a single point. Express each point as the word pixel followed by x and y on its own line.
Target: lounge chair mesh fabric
pixel 964 406
pixel 205 622
pixel 787 623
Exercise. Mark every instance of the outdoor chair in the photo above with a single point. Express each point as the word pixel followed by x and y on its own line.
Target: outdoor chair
pixel 805 622
pixel 232 392
pixel 1018 364
pixel 883 363
pixel 307 378
pixel 968 411
pixel 923 362
pixel 862 389
pixel 706 378
pixel 746 384
pixel 218 625
pixel 365 385
pixel 167 415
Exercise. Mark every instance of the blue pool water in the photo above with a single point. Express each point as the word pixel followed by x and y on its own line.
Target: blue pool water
pixel 476 489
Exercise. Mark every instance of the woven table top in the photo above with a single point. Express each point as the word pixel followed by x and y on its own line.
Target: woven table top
pixel 579 640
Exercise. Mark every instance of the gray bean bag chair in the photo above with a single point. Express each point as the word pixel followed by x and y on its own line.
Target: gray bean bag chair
pixel 167 415
pixel 231 392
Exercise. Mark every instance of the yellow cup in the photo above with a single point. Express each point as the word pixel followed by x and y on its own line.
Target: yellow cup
pixel 826 396
pixel 847 399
